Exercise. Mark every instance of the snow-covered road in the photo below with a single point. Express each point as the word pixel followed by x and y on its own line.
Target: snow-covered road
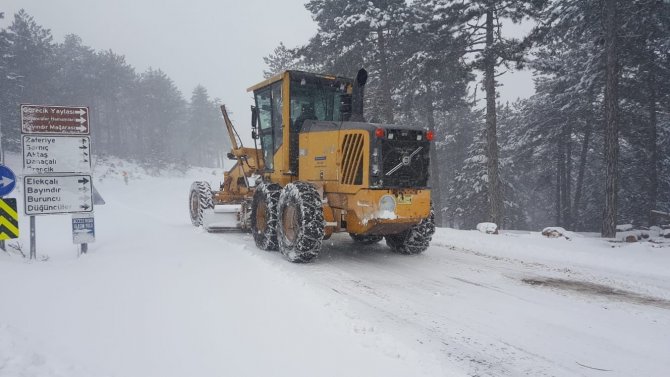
pixel 157 297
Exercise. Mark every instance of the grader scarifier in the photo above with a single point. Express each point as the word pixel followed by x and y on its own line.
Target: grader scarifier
pixel 320 169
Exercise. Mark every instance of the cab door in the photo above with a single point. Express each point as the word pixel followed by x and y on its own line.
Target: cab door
pixel 269 105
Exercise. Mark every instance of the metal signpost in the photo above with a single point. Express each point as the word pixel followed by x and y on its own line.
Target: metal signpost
pixel 83 229
pixel 57 161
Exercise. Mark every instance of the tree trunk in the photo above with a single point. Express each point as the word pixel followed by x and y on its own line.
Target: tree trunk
pixel 436 183
pixel 567 175
pixel 560 178
pixel 494 186
pixel 385 98
pixel 580 175
pixel 611 120
pixel 653 140
pixel 558 188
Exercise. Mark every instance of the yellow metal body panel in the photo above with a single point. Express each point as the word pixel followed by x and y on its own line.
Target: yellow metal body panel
pixel 364 216
pixel 319 158
pixel 270 81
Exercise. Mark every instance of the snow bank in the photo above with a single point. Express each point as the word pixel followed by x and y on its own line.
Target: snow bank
pixel 488 228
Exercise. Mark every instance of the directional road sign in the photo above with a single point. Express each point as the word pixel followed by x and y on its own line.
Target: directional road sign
pixel 83 228
pixel 9 219
pixel 56 194
pixel 56 154
pixel 7 180
pixel 40 119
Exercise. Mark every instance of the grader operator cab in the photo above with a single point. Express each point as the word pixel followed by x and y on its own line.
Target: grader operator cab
pixel 320 169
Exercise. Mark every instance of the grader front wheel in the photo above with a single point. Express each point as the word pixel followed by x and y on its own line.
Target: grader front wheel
pixel 200 199
pixel 264 216
pixel 301 223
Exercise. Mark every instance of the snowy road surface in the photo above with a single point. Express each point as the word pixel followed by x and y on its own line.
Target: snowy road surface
pixel 157 297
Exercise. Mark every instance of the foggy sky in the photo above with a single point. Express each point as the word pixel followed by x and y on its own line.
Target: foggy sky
pixel 217 43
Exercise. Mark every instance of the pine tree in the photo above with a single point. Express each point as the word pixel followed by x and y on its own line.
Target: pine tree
pixel 282 59
pixel 206 140
pixel 481 22
pixel 29 59
pixel 359 33
pixel 434 81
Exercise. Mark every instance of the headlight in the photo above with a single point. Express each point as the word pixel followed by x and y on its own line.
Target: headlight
pixel 387 203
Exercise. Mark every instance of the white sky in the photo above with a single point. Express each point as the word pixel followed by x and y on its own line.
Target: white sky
pixel 217 43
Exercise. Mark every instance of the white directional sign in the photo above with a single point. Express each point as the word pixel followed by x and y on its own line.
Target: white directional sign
pixel 56 194
pixel 56 154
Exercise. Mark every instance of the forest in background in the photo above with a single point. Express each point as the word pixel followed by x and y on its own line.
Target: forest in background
pixel 587 151
pixel 141 117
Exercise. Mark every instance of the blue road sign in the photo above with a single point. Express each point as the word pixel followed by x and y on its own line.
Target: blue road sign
pixel 83 228
pixel 7 180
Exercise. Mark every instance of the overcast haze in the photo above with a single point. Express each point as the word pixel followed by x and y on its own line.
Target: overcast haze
pixel 219 44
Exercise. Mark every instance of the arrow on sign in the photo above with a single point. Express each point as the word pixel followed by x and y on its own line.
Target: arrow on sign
pixel 83 147
pixel 83 181
pixel 84 207
pixel 81 112
pixel 5 181
pixel 83 189
pixel 80 121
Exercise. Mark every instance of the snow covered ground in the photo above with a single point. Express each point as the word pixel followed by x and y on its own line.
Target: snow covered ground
pixel 157 297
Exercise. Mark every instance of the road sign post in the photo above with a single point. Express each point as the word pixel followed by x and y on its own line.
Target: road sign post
pixel 83 230
pixel 55 142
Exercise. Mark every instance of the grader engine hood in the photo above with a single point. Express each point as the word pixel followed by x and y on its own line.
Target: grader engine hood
pixel 398 156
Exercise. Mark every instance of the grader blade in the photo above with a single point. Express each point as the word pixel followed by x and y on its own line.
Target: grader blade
pixel 223 218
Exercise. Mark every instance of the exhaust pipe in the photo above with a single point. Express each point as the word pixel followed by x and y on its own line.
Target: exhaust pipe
pixel 357 96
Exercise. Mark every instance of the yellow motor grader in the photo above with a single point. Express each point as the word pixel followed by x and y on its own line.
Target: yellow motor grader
pixel 320 169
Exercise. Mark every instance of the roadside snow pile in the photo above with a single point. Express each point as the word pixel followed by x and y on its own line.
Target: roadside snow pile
pixel 488 228
pixel 586 250
pixel 624 227
pixel 113 168
pixel 556 232
pixel 629 233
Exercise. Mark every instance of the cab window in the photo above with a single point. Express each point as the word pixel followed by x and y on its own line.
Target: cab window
pixel 277 115
pixel 314 99
pixel 264 106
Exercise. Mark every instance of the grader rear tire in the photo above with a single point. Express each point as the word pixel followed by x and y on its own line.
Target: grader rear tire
pixel 414 240
pixel 200 199
pixel 301 224
pixel 264 216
